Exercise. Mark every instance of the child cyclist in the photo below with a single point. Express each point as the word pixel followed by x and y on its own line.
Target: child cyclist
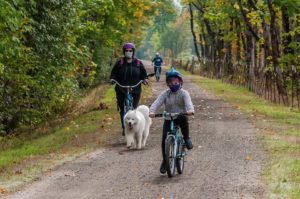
pixel 176 100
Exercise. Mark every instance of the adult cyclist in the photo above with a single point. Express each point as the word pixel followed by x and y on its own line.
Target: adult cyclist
pixel 128 71
pixel 157 62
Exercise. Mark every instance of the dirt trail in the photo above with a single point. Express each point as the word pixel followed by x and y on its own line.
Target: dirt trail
pixel 226 162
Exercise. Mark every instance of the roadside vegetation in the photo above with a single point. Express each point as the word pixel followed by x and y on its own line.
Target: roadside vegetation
pixel 91 123
pixel 23 157
pixel 279 135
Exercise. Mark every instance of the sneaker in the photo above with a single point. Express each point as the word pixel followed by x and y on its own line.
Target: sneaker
pixel 188 143
pixel 162 168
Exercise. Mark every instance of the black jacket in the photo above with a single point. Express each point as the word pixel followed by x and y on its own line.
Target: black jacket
pixel 128 74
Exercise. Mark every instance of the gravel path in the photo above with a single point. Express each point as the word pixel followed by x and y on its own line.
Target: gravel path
pixel 226 162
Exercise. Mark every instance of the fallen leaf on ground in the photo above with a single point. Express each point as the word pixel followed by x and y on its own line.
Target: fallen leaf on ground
pixel 2 190
pixel 70 174
pixel 249 157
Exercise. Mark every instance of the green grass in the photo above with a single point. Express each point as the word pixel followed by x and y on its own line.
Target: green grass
pixel 51 145
pixel 280 131
pixel 249 102
pixel 75 136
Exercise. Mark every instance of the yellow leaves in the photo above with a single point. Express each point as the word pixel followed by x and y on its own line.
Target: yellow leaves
pixel 236 6
pixel 121 20
pixel 219 2
pixel 138 14
pixel 254 18
pixel 146 7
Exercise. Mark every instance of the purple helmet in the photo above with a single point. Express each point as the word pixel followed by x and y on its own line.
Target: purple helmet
pixel 128 45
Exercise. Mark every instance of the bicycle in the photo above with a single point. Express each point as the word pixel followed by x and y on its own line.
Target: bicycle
pixel 128 102
pixel 174 146
pixel 157 72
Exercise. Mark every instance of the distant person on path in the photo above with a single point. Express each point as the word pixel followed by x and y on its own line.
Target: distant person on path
pixel 157 63
pixel 128 71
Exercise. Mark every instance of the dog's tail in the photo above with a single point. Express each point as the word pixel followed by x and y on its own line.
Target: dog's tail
pixel 145 111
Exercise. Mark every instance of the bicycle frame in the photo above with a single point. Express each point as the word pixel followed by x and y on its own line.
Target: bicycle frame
pixel 174 145
pixel 128 103
pixel 174 132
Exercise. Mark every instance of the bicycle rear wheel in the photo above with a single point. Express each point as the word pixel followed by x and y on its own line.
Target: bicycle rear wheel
pixel 170 156
pixel 157 78
pixel 180 158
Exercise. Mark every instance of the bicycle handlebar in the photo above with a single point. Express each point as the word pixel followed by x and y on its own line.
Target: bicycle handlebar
pixel 122 86
pixel 141 81
pixel 169 114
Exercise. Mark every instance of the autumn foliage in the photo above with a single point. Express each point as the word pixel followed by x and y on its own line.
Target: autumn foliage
pixel 51 49
pixel 253 43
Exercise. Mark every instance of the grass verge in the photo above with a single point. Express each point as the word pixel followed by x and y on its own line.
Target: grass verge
pixel 280 130
pixel 24 157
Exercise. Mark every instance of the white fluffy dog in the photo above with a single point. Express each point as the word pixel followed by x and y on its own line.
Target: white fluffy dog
pixel 137 124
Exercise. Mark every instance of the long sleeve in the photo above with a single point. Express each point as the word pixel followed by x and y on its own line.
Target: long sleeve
pixel 143 74
pixel 179 102
pixel 114 71
pixel 158 102
pixel 188 102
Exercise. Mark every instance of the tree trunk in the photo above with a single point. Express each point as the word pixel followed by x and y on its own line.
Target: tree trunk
pixel 286 27
pixel 247 22
pixel 193 32
pixel 275 55
pixel 252 63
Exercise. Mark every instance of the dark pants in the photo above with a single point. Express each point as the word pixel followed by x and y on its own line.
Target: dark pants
pixel 182 122
pixel 120 100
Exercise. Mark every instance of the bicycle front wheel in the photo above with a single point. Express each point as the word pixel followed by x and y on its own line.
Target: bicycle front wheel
pixel 180 158
pixel 170 156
